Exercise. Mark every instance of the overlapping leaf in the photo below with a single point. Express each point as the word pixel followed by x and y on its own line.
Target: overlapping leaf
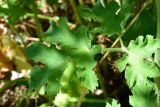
pixel 136 60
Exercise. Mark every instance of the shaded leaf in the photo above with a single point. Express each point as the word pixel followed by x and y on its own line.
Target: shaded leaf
pixel 111 18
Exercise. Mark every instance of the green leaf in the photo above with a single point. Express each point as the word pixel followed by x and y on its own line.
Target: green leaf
pixel 46 55
pixel 70 83
pixel 74 45
pixel 136 60
pixel 52 71
pixel 53 84
pixel 114 103
pixel 38 77
pixel 14 10
pixel 77 46
pixel 88 77
pixel 143 95
pixel 111 18
pixel 140 27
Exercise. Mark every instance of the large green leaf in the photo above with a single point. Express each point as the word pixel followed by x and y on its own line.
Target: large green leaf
pixel 77 45
pixel 143 95
pixel 135 61
pixel 71 45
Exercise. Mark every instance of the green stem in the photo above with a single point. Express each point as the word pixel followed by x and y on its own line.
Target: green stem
pixel 101 81
pixel 38 25
pixel 77 16
pixel 113 49
pixel 82 96
pixel 94 100
pixel 40 16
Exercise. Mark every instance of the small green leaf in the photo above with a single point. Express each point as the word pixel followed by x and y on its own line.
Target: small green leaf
pixel 114 103
pixel 88 77
pixel 38 77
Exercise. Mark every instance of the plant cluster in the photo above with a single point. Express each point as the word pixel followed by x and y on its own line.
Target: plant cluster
pixel 105 49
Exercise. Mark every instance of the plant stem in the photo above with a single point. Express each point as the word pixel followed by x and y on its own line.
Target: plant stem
pixel 83 94
pixel 40 16
pixel 113 49
pixel 127 28
pixel 38 25
pixel 94 100
pixel 73 4
pixel 101 81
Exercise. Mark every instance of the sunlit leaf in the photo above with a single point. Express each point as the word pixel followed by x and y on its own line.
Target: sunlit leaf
pixel 143 95
pixel 114 103
pixel 136 60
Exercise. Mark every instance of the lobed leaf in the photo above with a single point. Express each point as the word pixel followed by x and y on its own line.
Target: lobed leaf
pixel 111 18
pixel 54 65
pixel 74 45
pixel 137 66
